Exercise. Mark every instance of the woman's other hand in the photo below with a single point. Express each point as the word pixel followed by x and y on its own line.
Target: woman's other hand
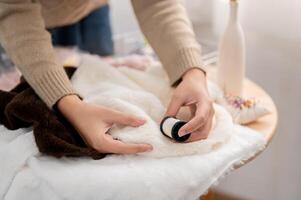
pixel 93 122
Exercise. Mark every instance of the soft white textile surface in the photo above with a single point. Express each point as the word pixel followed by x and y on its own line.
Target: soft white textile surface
pixel 26 173
pixel 102 84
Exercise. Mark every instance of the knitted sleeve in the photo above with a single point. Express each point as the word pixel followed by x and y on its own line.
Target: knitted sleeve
pixel 24 37
pixel 168 30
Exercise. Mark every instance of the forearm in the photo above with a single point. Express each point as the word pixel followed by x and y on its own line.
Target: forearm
pixel 23 35
pixel 168 30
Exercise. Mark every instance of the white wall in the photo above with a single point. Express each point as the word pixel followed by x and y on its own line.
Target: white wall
pixel 275 17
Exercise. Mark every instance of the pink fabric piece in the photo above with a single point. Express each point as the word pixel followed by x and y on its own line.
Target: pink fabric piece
pixel 9 79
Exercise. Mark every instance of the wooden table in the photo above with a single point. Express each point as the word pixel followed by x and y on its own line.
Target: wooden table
pixel 265 125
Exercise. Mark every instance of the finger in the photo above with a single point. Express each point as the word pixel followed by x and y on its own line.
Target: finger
pixel 201 134
pixel 201 116
pixel 174 106
pixel 116 146
pixel 194 124
pixel 192 109
pixel 127 119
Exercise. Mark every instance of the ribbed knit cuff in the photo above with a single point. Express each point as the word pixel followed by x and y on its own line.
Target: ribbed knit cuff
pixel 53 85
pixel 186 58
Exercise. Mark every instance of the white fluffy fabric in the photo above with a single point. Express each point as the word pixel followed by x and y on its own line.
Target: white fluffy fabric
pixel 170 171
pixel 102 84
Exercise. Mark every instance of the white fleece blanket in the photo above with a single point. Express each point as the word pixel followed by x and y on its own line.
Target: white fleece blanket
pixel 128 91
pixel 170 171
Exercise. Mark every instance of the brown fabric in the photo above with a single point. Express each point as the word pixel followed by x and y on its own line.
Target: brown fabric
pixel 54 135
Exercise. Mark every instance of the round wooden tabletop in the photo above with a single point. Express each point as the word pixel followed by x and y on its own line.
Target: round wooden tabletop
pixel 266 124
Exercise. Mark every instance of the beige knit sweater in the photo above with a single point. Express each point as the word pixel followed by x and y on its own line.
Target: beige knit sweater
pixel 24 37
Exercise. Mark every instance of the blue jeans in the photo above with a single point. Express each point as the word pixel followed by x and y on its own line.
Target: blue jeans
pixel 92 34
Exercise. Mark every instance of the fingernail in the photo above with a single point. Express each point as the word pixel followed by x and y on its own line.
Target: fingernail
pixel 139 122
pixel 150 148
pixel 182 133
pixel 142 120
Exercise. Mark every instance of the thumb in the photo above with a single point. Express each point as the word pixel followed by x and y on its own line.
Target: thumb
pixel 174 107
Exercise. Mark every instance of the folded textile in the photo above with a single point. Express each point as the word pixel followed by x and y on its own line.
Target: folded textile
pixel 21 107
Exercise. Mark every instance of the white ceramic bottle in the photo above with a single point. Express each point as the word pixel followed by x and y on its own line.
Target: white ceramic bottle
pixel 231 65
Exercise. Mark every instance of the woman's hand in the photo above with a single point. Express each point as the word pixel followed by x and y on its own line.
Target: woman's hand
pixel 92 122
pixel 192 92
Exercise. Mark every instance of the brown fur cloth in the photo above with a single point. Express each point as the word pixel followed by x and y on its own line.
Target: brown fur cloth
pixel 54 135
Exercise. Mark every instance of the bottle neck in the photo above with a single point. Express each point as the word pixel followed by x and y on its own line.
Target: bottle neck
pixel 233 12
